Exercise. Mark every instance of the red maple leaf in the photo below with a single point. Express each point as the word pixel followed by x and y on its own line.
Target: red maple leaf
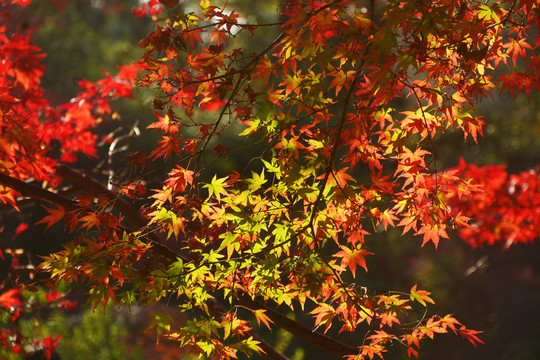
pixel 10 298
pixel 54 216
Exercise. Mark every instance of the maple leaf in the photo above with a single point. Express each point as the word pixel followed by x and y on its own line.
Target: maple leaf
pixel 325 313
pixel 20 228
pixel 353 257
pixel 10 298
pixel 165 123
pixel 54 216
pixel 260 316
pixel 341 177
pixel 421 296
pixel 179 179
pixel 137 158
pixel 217 187
pixel 387 218
pixel 432 233
pixel 168 145
pixel 50 344
pixel 6 97
pixel 471 335
pixel 90 220
pixel 519 81
pixel 517 48
pixel 150 7
pixel 212 105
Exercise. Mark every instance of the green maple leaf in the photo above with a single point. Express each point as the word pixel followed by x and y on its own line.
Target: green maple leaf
pixel 216 187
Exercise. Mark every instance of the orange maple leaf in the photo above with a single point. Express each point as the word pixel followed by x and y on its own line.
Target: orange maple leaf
pixel 353 257
pixel 421 296
pixel 433 233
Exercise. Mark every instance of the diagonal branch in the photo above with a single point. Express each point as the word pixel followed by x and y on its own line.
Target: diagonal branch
pixel 299 330
pixel 81 181
pixel 35 192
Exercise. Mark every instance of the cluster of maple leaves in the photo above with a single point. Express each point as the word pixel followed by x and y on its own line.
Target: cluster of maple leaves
pixel 341 161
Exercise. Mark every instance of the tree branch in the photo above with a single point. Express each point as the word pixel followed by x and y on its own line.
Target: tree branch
pixel 218 310
pixel 85 182
pixel 35 192
pixel 321 341
pixel 82 181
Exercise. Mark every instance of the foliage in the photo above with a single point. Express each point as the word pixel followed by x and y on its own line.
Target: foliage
pixel 338 116
pixel 19 311
pixel 97 335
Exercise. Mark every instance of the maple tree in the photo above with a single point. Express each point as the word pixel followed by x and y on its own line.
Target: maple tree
pixel 337 115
